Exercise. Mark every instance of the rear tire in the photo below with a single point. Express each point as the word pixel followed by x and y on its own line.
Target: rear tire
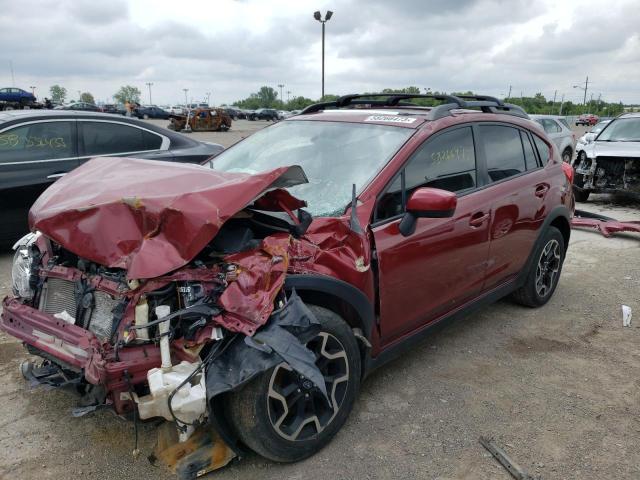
pixel 279 417
pixel 542 278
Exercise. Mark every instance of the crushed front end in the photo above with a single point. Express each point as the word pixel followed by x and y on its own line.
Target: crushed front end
pixel 161 306
pixel 610 174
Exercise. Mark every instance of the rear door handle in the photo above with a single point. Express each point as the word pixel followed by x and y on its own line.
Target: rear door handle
pixel 477 219
pixel 541 190
pixel 53 176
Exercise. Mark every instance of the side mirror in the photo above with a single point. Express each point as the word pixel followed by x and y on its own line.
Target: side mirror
pixel 427 203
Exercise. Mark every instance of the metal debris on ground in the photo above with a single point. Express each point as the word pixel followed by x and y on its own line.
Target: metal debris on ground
pixel 607 226
pixel 513 468
pixel 626 316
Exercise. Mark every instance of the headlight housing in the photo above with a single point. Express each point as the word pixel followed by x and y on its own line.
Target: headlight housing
pixel 21 268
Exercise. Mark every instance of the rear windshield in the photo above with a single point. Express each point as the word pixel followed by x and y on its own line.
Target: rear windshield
pixel 334 155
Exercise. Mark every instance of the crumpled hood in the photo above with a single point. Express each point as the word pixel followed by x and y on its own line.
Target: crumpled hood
pixel 613 149
pixel 148 217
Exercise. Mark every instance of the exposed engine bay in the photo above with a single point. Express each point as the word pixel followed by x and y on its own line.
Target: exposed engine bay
pixel 610 173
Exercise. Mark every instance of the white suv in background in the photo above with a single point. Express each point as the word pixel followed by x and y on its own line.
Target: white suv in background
pixel 558 130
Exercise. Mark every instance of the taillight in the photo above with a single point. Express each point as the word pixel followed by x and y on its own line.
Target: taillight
pixel 568 171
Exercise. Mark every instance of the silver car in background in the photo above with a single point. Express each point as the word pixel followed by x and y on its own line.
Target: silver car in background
pixel 559 131
pixel 589 137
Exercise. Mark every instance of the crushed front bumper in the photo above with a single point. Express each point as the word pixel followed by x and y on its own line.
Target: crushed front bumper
pixel 79 349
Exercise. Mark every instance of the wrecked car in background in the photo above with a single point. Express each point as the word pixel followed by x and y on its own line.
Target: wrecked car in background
pixel 202 120
pixel 611 162
pixel 246 301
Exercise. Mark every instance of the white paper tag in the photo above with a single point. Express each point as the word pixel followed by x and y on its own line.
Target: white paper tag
pixel 389 118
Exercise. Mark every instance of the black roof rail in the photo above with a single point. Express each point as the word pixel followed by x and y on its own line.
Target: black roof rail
pixel 453 102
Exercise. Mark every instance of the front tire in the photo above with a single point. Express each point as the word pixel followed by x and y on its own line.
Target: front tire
pixel 282 416
pixel 542 278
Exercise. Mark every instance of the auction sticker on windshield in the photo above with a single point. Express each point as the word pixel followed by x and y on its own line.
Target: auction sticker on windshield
pixel 389 118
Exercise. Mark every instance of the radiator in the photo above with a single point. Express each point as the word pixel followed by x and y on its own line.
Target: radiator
pixel 58 295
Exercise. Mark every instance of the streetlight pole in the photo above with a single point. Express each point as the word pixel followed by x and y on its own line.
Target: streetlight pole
pixel 281 85
pixel 288 93
pixel 208 98
pixel 585 88
pixel 187 127
pixel 149 85
pixel 33 90
pixel 318 16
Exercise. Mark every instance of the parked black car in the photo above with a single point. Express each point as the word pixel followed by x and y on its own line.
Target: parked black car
pixel 39 146
pixel 264 114
pixel 151 112
pixel 79 106
pixel 117 109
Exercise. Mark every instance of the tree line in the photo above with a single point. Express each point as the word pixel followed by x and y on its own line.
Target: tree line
pixel 267 97
pixel 126 93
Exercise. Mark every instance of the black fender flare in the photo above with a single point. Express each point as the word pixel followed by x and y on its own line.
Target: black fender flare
pixel 557 212
pixel 339 289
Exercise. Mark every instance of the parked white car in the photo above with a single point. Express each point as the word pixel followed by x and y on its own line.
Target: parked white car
pixel 177 110
pixel 589 137
pixel 559 131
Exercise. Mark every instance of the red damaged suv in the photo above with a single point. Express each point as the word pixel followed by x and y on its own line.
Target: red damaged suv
pixel 247 301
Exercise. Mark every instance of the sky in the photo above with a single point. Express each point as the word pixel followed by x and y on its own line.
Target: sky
pixel 230 48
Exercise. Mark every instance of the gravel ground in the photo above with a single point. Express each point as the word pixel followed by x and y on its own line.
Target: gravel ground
pixel 557 387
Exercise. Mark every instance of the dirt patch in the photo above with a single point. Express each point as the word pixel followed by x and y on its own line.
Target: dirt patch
pixel 10 351
pixel 538 344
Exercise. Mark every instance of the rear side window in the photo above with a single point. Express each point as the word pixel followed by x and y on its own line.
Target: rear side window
pixel 104 138
pixel 563 121
pixel 543 149
pixel 37 141
pixel 529 156
pixel 503 149
pixel 446 161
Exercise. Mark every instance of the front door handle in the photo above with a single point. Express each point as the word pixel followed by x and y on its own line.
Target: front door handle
pixel 477 219
pixel 54 176
pixel 541 190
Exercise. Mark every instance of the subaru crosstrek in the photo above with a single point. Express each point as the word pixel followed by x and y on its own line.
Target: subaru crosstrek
pixel 251 298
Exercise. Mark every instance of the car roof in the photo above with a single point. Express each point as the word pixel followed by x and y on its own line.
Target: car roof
pixel 630 115
pixel 554 117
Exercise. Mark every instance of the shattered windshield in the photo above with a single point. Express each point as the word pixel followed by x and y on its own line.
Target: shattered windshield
pixel 621 130
pixel 334 155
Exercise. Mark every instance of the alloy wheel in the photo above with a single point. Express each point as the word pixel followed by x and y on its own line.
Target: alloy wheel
pixel 297 408
pixel 548 268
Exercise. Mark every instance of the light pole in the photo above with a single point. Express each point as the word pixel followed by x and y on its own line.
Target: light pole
pixel 288 93
pixel 79 95
pixel 33 90
pixel 208 97
pixel 281 85
pixel 585 88
pixel 187 127
pixel 318 16
pixel 149 85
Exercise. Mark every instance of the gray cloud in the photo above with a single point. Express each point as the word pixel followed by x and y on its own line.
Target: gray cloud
pixel 483 45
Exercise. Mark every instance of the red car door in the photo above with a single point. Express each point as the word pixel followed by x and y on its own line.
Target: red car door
pixel 442 264
pixel 518 186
